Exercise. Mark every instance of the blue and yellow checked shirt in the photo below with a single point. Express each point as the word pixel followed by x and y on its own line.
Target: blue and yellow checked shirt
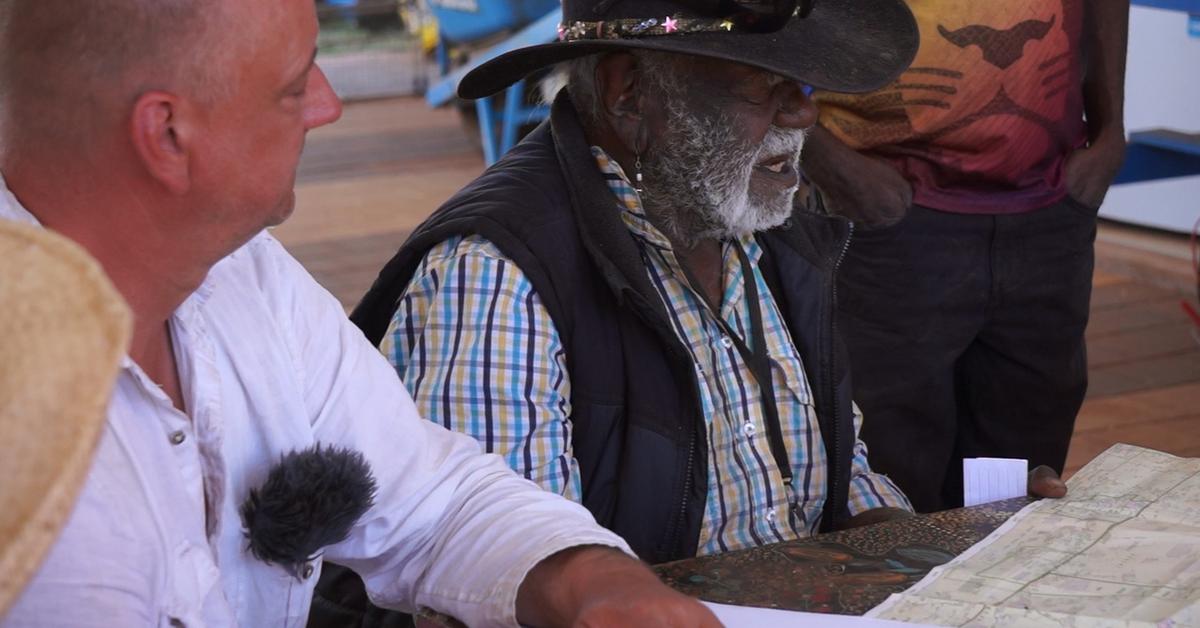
pixel 480 355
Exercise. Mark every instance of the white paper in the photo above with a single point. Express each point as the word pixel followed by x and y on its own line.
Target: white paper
pixel 752 617
pixel 987 480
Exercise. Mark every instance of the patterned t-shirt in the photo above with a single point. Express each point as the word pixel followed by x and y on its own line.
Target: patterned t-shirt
pixel 983 120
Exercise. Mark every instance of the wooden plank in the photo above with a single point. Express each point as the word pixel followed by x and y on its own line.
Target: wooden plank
pixel 1127 411
pixel 392 151
pixel 378 204
pixel 1125 293
pixel 1139 315
pixel 347 267
pixel 1146 255
pixel 382 116
pixel 1101 278
pixel 1144 374
pixel 1139 344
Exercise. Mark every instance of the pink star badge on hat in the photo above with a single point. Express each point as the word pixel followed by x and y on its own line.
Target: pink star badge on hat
pixel 670 25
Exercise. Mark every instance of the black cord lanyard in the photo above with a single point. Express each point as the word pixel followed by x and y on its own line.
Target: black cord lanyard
pixel 758 361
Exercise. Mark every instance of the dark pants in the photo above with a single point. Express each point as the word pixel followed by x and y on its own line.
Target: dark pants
pixel 966 340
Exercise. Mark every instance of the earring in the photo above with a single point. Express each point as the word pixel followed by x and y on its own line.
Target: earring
pixel 637 173
pixel 639 142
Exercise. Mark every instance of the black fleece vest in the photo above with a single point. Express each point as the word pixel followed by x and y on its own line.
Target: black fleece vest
pixel 638 429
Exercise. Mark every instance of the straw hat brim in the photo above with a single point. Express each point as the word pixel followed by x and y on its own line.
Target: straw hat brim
pixel 63 333
pixel 850 47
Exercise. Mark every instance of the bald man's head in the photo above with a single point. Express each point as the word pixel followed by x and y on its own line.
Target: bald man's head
pixel 70 68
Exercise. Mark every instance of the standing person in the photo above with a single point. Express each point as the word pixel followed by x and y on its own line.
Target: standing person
pixel 975 178
pixel 163 137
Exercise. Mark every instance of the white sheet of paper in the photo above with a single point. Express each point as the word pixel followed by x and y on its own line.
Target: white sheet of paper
pixel 752 617
pixel 988 480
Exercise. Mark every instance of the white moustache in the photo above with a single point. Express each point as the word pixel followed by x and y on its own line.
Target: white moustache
pixel 781 141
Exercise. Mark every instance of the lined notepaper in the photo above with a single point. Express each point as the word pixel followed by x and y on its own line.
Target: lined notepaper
pixel 988 480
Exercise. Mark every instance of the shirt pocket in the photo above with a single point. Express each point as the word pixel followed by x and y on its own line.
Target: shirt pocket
pixel 790 379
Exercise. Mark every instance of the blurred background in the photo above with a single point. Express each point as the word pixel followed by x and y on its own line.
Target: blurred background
pixel 406 144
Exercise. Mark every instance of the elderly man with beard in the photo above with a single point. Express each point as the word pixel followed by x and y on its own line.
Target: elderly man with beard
pixel 162 136
pixel 624 307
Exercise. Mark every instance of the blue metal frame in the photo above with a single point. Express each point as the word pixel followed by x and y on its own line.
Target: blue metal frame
pixel 467 21
pixel 498 128
pixel 1160 154
pixel 543 31
pixel 1187 6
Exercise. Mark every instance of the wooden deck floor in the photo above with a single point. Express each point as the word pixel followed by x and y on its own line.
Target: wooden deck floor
pixel 367 180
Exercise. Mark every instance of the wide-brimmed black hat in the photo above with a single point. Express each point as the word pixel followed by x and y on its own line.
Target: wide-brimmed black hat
pixel 841 45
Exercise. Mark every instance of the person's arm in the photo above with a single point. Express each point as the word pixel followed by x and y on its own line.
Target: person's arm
pixel 511 389
pixel 874 498
pixel 480 355
pixel 601 587
pixel 451 529
pixel 863 189
pixel 1090 171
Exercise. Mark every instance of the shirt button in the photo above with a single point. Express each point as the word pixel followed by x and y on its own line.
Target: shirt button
pixel 307 572
pixel 177 438
pixel 749 429
pixel 727 342
pixel 771 515
pixel 177 623
pixel 699 370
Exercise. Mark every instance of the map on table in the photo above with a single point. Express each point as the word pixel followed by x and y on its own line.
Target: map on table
pixel 1121 550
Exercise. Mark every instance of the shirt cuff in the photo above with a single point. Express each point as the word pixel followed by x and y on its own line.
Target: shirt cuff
pixel 869 491
pixel 500 607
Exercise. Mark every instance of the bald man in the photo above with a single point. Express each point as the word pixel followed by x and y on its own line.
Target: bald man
pixel 163 136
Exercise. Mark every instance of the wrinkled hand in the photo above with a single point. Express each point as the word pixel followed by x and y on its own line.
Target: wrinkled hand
pixel 876 515
pixel 1044 482
pixel 593 587
pixel 866 190
pixel 1090 171
pixel 877 197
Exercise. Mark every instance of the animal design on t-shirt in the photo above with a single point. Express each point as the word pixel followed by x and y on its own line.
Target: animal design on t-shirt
pixel 1001 48
pixel 987 94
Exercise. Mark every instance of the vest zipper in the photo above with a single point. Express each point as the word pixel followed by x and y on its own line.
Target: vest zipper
pixel 687 490
pixel 839 464
pixel 677 533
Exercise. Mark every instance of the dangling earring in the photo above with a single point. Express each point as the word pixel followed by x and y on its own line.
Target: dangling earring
pixel 639 143
pixel 637 173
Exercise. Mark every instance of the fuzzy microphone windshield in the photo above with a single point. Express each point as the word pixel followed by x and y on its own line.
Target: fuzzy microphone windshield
pixel 310 500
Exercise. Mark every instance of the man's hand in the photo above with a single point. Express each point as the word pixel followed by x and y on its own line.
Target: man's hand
pixel 1044 482
pixel 865 190
pixel 599 586
pixel 1090 171
pixel 876 515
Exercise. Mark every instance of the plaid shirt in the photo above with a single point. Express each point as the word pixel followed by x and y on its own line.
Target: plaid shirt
pixel 480 355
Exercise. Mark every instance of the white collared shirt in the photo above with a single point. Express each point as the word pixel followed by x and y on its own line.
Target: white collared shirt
pixel 268 364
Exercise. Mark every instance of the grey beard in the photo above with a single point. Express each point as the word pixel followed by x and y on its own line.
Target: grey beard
pixel 697 183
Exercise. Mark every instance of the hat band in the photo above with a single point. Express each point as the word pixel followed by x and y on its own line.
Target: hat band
pixel 631 28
